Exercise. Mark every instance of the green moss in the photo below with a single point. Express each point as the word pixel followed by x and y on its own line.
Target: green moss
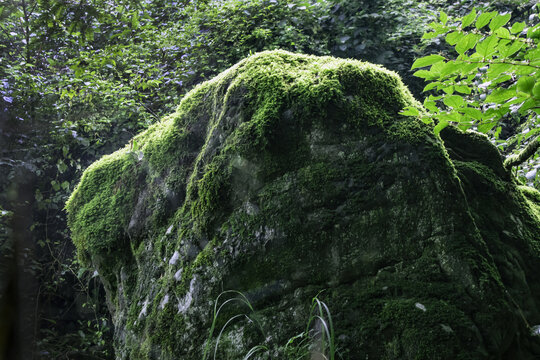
pixel 481 176
pixel 427 329
pixel 533 199
pixel 266 84
pixel 473 146
pixel 106 186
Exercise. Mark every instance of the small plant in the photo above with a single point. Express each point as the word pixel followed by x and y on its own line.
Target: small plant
pixel 323 337
pixel 317 340
pixel 238 298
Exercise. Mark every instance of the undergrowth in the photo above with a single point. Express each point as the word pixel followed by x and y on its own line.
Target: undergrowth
pixel 316 341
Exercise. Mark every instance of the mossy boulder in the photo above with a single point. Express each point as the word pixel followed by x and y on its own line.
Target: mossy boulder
pixel 288 177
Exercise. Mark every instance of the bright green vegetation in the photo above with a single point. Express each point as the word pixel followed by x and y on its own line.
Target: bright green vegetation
pixel 289 174
pixel 492 82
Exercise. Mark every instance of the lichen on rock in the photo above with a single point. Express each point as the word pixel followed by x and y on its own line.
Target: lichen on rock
pixel 291 174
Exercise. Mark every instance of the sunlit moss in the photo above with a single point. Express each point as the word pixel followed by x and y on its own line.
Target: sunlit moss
pixel 266 85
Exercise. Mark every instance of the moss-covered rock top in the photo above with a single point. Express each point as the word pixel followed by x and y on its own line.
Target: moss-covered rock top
pixel 290 174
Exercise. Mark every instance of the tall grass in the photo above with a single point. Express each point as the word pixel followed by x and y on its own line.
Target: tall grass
pixel 326 348
pixel 312 341
pixel 241 298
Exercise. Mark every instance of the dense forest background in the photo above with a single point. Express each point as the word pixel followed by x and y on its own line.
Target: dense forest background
pixel 79 78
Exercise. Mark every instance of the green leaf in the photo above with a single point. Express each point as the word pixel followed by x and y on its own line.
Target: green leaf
pixel 431 105
pixel 443 17
pixel 500 95
pixel 469 68
pixel 429 35
pixel 526 84
pixel 518 99
pixel 55 185
pixel 62 167
pixel 524 70
pixel 468 19
pixel 453 37
pixel 89 35
pixel 498 21
pixel 38 195
pixel 466 43
pixel 533 55
pixel 449 90
pixel 464 89
pixel 488 46
pixel 472 112
pixel 512 49
pixel 533 33
pixel 536 90
pixel 501 79
pixel 498 132
pixel 484 19
pixel 486 127
pixel 425 74
pixel 430 86
pixel 410 111
pixel 497 69
pixel 465 125
pixel 502 33
pixel 517 27
pixel 527 105
pixel 441 125
pixel 436 68
pixel 135 20
pixel 451 116
pixel 426 61
pixel 449 68
pixel 454 101
pixel 427 119
pixel 439 28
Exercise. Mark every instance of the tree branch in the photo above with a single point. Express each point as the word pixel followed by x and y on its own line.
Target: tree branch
pixel 498 62
pixel 26 17
pixel 526 153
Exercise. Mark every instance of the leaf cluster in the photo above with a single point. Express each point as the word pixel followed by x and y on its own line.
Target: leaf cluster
pixel 492 78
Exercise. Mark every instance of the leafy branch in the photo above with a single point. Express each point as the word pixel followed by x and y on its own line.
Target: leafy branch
pixel 493 78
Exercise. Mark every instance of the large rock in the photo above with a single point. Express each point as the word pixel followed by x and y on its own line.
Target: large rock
pixel 287 175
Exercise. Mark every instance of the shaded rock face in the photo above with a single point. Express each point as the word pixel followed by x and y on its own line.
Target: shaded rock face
pixel 288 175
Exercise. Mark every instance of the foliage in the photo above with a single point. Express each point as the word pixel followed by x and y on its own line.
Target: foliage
pixel 492 83
pixel 321 318
pixel 54 123
pixel 91 336
pixel 242 299
pixel 79 79
pixel 318 339
pixel 383 32
pixel 218 34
